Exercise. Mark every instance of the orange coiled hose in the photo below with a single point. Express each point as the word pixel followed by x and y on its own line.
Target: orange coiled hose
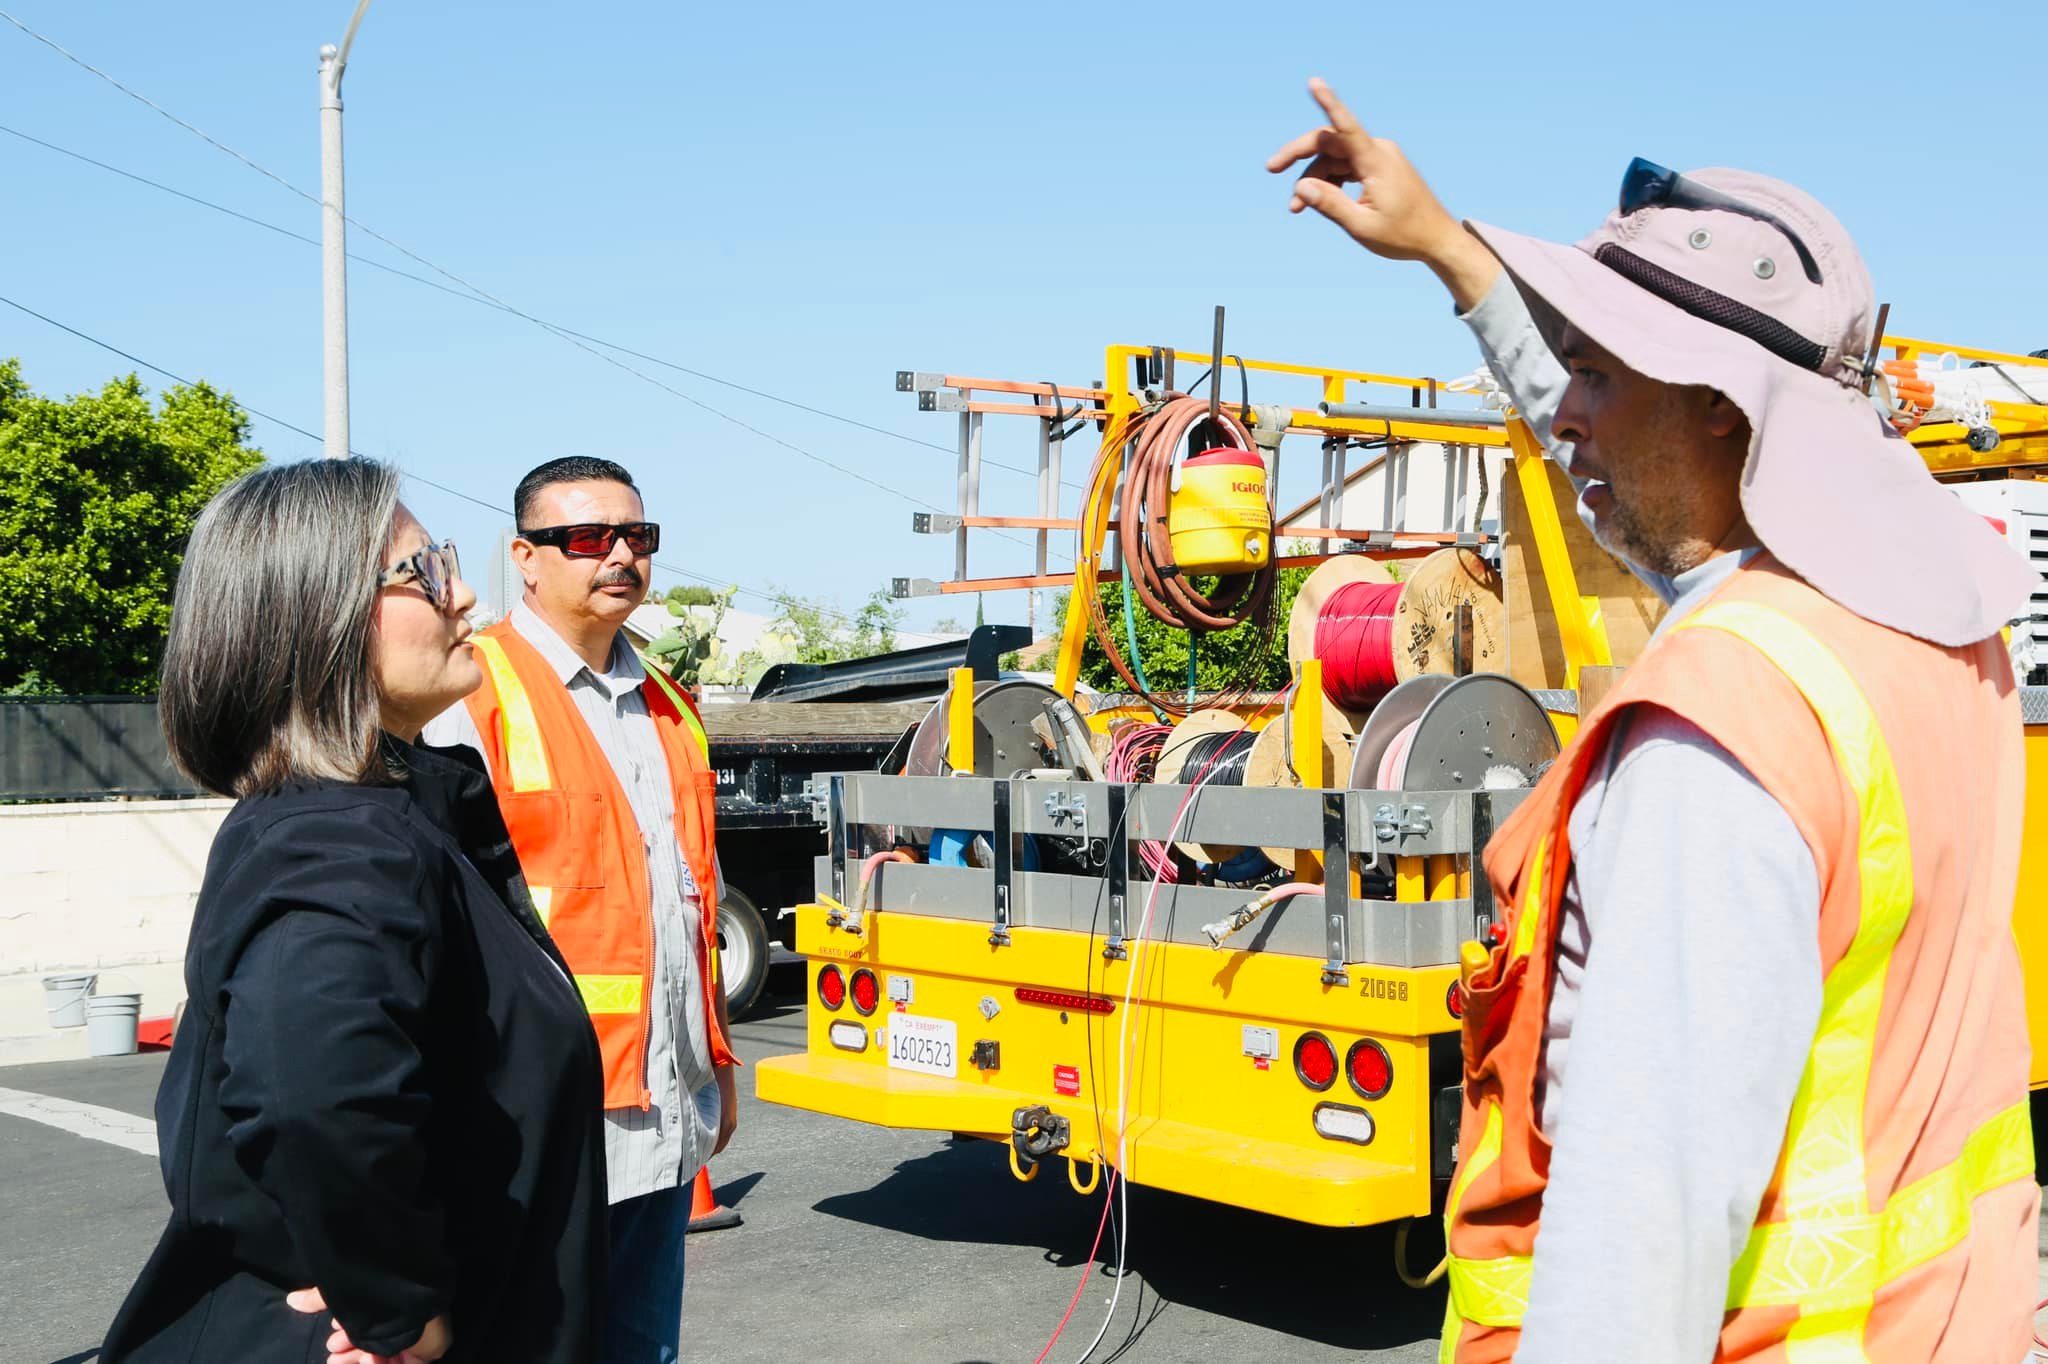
pixel 1147 546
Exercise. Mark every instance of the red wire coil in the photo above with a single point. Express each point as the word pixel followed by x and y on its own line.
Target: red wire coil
pixel 1355 642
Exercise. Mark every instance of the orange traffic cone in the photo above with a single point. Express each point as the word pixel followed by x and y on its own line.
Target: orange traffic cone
pixel 705 1214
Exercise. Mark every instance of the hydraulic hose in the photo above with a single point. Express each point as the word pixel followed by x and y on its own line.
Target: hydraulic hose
pixel 1147 545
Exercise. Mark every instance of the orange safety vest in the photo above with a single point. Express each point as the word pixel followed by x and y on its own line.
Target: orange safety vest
pixel 581 848
pixel 1900 1221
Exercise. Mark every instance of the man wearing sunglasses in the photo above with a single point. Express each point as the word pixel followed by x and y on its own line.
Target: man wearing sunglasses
pixel 1750 1046
pixel 602 773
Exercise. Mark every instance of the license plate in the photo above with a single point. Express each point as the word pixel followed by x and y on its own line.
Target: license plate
pixel 929 1045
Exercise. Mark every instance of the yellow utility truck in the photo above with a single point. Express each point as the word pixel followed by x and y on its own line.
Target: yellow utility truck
pixel 1211 941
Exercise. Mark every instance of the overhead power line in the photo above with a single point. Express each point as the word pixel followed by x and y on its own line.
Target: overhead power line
pixel 467 297
pixel 574 338
pixel 133 359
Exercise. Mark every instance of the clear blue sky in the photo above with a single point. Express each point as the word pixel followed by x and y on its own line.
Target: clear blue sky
pixel 805 198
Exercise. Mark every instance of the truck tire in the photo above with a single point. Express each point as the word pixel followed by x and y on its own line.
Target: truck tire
pixel 742 951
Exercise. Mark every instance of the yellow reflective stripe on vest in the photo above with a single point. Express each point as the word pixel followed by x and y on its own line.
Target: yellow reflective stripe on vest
pixel 1486 1292
pixel 683 708
pixel 1824 1175
pixel 1532 900
pixel 525 754
pixel 543 902
pixel 1817 1261
pixel 1832 1253
pixel 610 994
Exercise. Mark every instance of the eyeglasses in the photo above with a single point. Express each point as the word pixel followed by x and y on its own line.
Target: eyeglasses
pixel 434 568
pixel 595 540
pixel 1645 184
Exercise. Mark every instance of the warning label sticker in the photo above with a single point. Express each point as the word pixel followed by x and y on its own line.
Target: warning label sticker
pixel 1066 1080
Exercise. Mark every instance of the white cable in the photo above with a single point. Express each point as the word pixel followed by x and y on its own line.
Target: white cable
pixel 1484 384
pixel 1123 1112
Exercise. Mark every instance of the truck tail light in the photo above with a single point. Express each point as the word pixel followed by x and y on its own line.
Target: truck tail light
pixel 1454 1000
pixel 831 988
pixel 1370 1068
pixel 866 992
pixel 1060 999
pixel 1340 1122
pixel 848 1035
pixel 1315 1061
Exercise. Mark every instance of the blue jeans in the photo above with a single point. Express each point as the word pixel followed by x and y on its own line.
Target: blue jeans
pixel 643 1318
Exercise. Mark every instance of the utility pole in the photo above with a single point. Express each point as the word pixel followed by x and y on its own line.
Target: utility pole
pixel 334 241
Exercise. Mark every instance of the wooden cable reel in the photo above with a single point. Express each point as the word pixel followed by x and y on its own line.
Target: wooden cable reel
pixel 1450 590
pixel 1173 768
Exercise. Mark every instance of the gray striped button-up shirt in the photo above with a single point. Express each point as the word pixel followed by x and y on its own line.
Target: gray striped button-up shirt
pixel 664 1146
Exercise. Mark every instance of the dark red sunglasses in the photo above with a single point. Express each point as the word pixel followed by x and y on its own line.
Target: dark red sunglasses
pixel 592 540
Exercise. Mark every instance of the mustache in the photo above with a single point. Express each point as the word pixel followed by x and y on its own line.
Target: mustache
pixel 617 577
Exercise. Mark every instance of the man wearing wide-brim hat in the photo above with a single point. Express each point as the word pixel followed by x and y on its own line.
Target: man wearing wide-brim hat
pixel 1746 1071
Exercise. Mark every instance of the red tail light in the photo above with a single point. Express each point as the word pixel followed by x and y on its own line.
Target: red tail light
pixel 1370 1068
pixel 1315 1061
pixel 866 993
pixel 831 987
pixel 1454 1000
pixel 1057 999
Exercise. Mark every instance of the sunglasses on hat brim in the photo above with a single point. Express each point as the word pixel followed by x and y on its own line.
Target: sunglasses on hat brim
pixel 1645 184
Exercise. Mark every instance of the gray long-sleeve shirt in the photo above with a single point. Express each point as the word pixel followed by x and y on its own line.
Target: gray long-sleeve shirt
pixel 1687 993
pixel 661 1147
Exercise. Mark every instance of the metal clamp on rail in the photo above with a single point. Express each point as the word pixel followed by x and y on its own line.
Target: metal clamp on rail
pixel 1336 889
pixel 1410 821
pixel 1000 858
pixel 835 834
pixel 1116 870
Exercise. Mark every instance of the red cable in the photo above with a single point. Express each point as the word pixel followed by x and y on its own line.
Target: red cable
pixel 1109 1197
pixel 1109 1189
pixel 1355 641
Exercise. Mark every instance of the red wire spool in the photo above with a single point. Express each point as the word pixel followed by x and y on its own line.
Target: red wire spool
pixel 1371 634
pixel 1355 640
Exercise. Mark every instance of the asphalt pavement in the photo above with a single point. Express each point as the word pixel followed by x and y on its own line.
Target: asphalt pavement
pixel 859 1243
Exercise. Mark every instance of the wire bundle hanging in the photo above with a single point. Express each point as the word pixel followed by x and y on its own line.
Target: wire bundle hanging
pixel 1134 758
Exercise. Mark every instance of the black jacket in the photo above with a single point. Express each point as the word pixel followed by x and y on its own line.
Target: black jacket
pixel 384 1085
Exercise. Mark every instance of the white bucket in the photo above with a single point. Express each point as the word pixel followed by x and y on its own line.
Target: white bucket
pixel 64 998
pixel 111 1022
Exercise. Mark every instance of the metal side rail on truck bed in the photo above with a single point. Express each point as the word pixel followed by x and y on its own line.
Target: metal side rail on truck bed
pixel 1307 1067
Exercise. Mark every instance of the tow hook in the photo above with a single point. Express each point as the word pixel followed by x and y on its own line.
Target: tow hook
pixel 1035 1133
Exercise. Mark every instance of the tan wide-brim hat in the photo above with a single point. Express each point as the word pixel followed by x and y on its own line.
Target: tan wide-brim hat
pixel 1726 297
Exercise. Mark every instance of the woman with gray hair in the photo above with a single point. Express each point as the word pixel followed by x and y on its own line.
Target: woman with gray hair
pixel 379 1125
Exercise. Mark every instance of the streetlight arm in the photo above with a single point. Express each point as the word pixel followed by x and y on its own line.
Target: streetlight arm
pixel 334 61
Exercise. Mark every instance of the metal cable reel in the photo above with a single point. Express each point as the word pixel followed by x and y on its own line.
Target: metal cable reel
pixel 1009 737
pixel 1020 729
pixel 1434 733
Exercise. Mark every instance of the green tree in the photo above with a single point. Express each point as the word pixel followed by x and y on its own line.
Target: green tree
pixel 820 634
pixel 694 594
pixel 98 493
pixel 1219 658
pixel 805 630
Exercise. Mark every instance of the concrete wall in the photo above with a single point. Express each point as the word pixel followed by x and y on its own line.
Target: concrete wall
pixel 104 886
pixel 101 883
